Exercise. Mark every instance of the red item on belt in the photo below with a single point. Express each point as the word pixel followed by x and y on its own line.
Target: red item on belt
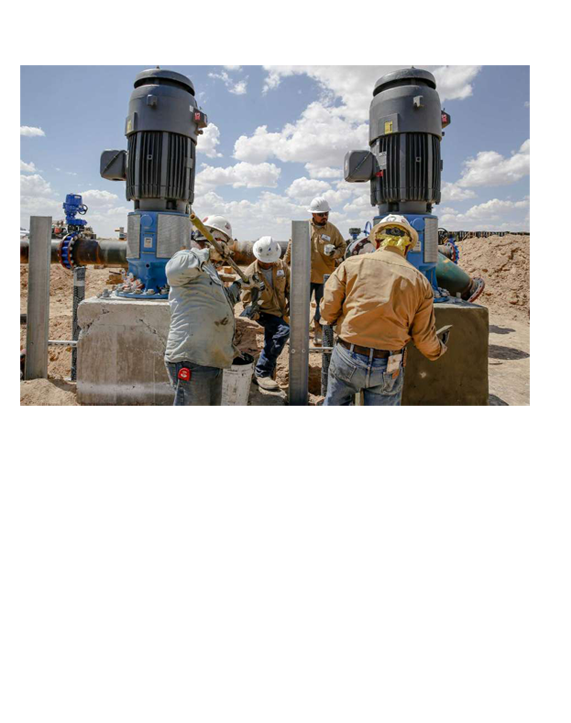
pixel 184 374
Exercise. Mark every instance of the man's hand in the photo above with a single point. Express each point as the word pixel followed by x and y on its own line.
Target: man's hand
pixel 251 312
pixel 246 285
pixel 329 249
pixel 444 333
pixel 215 256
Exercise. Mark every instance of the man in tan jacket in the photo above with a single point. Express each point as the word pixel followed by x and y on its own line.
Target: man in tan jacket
pixel 327 247
pixel 271 308
pixel 379 302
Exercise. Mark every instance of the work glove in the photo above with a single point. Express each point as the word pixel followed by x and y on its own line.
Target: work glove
pixel 246 285
pixel 215 256
pixel 329 249
pixel 443 334
pixel 251 312
pixel 234 291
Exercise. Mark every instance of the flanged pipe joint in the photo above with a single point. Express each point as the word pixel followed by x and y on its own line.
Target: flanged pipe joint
pixel 159 167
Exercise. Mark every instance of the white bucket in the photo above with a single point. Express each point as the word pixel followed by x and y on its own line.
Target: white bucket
pixel 236 382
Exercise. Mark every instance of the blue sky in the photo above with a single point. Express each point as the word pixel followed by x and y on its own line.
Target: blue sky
pixel 277 137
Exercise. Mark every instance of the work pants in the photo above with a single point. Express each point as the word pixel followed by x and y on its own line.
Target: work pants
pixel 276 334
pixel 203 389
pixel 318 289
pixel 351 373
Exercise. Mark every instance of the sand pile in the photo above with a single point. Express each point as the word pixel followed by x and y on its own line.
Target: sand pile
pixel 503 261
pixel 47 393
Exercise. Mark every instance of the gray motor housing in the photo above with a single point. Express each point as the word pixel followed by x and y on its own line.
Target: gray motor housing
pixel 405 131
pixel 162 128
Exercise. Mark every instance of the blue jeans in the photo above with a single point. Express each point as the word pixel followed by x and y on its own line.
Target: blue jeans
pixel 349 373
pixel 318 289
pixel 276 334
pixel 203 389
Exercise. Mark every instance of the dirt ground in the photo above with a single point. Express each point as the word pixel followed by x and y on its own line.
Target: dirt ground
pixel 502 261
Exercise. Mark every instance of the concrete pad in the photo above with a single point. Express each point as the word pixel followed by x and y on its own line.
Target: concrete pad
pixel 460 377
pixel 120 352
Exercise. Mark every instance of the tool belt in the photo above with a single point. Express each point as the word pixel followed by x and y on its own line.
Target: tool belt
pixel 364 350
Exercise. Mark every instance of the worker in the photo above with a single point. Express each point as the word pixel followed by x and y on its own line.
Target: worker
pixel 200 339
pixel 271 309
pixel 221 231
pixel 327 246
pixel 379 301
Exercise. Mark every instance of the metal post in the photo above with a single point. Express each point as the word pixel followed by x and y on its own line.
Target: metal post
pixel 38 298
pixel 299 313
pixel 327 342
pixel 78 297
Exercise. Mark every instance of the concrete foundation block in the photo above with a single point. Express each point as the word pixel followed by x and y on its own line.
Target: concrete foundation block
pixel 460 377
pixel 120 352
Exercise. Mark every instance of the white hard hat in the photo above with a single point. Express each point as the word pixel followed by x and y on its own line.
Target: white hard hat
pixel 267 250
pixel 218 223
pixel 319 205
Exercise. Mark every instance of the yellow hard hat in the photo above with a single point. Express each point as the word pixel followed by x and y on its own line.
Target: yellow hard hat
pixel 394 221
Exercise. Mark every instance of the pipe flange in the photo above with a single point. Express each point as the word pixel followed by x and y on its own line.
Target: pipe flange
pixel 65 251
pixel 478 286
pixel 455 251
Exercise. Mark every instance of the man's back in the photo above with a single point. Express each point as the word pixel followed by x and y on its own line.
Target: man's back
pixel 202 317
pixel 381 301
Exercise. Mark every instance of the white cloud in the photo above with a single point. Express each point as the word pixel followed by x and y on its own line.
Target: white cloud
pixel 494 214
pixel 320 137
pixel 31 131
pixel 237 88
pixel 316 171
pixel 98 199
pixel 454 82
pixel 27 167
pixel 208 141
pixel 37 198
pixel 490 168
pixel 250 175
pixel 453 192
pixel 354 84
pixel 34 185
pixel 305 189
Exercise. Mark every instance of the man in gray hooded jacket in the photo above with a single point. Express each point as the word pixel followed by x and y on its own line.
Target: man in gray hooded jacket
pixel 200 341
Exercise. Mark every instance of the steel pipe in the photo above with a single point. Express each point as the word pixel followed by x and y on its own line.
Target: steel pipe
pixel 38 316
pixel 86 252
pixel 299 313
pixel 78 297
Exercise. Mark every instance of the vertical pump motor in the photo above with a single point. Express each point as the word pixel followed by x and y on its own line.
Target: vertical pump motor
pixel 403 164
pixel 159 167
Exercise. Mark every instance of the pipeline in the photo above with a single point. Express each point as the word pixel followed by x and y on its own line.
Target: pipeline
pixel 113 252
pixel 86 252
pixel 451 277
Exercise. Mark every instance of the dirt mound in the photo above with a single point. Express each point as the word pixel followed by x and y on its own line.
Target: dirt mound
pixel 503 262
pixel 61 305
pixel 47 393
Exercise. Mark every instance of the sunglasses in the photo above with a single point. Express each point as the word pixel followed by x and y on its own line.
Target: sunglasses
pixel 322 215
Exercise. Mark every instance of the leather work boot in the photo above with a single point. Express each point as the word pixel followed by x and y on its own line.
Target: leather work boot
pixel 317 333
pixel 267 383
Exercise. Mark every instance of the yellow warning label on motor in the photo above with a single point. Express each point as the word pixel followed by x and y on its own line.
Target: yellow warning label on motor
pixel 129 126
pixel 388 126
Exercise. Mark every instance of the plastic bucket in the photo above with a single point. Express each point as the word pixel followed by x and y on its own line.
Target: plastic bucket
pixel 236 382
